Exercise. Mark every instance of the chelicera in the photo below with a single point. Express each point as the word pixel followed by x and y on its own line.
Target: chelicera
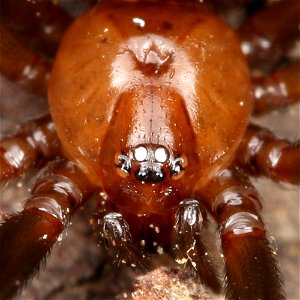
pixel 149 112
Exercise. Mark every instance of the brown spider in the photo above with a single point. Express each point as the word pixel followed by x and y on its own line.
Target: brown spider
pixel 170 144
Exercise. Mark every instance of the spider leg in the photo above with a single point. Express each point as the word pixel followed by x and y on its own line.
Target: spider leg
pixel 26 238
pixel 41 23
pixel 114 232
pixel 277 90
pixel 36 141
pixel 190 245
pixel 264 40
pixel 92 3
pixel 251 267
pixel 21 64
pixel 262 153
pixel 30 34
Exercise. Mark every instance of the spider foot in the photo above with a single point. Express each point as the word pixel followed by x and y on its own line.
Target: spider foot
pixel 115 234
pixel 190 247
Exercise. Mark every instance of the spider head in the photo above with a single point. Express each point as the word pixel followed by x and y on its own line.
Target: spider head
pixel 146 178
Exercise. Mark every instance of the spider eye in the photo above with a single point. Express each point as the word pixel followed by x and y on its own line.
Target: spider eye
pixel 142 174
pixel 161 155
pixel 177 167
pixel 150 175
pixel 140 153
pixel 158 175
pixel 123 165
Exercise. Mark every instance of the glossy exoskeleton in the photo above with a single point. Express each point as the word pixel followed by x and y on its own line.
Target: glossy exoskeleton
pixel 151 103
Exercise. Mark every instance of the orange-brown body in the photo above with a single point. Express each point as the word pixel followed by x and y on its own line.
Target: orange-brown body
pixel 149 101
pixel 130 74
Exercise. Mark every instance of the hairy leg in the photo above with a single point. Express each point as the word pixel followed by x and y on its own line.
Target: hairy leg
pixel 190 247
pixel 114 232
pixel 251 266
pixel 26 238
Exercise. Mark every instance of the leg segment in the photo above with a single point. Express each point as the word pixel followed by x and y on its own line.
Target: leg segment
pixel 21 64
pixel 264 40
pixel 27 238
pixel 234 12
pixel 91 2
pixel 251 268
pixel 280 89
pixel 42 23
pixel 261 153
pixel 114 233
pixel 36 141
pixel 190 245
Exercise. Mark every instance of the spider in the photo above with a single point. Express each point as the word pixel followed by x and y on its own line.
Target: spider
pixel 170 144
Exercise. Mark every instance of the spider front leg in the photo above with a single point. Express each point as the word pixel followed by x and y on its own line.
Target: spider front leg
pixel 190 243
pixel 114 233
pixel 27 237
pixel 251 266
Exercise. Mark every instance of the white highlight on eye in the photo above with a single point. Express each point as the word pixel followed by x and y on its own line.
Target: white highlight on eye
pixel 161 155
pixel 140 153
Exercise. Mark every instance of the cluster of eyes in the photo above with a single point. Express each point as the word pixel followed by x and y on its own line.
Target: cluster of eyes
pixel 159 155
pixel 141 154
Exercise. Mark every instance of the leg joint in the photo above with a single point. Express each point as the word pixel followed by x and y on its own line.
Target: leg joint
pixel 50 206
pixel 242 223
pixel 236 197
